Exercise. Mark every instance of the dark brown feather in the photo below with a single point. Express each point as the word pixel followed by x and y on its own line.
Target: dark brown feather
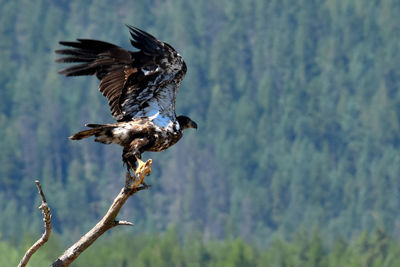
pixel 129 80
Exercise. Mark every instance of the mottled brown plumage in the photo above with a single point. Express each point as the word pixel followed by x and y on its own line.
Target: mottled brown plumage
pixel 141 88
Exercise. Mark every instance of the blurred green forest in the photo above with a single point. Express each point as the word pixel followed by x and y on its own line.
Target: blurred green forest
pixel 306 249
pixel 298 109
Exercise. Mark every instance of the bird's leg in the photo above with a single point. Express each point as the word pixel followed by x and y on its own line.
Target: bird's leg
pixel 128 170
pixel 129 159
pixel 132 156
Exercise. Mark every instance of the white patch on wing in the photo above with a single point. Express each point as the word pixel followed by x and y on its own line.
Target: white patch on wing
pixel 162 121
pixel 149 72
pixel 154 116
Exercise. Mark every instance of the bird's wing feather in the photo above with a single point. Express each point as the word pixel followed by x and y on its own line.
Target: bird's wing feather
pixel 133 82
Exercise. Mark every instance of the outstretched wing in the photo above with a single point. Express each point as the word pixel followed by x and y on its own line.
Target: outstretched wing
pixel 136 84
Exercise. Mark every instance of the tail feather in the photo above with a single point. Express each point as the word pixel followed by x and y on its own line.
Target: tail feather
pixel 102 131
pixel 96 125
pixel 83 134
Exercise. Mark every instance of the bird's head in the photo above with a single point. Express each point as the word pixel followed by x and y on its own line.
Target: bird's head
pixel 186 122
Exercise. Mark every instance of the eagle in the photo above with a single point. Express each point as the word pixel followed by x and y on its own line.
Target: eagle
pixel 141 88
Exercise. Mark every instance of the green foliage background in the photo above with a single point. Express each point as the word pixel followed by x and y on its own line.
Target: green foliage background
pixel 298 110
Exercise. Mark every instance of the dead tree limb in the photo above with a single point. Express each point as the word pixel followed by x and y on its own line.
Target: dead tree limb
pixel 47 229
pixel 132 185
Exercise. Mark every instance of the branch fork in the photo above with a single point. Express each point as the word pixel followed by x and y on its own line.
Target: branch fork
pixel 133 184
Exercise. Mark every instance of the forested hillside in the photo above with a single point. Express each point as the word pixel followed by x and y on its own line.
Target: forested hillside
pixel 297 102
pixel 305 249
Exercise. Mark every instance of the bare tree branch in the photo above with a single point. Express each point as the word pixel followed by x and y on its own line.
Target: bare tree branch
pixel 47 226
pixel 132 185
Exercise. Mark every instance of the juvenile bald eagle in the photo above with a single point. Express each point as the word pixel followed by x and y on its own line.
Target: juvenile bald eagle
pixel 141 88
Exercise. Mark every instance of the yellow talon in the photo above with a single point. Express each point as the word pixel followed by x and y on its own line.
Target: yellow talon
pixel 143 169
pixel 140 163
